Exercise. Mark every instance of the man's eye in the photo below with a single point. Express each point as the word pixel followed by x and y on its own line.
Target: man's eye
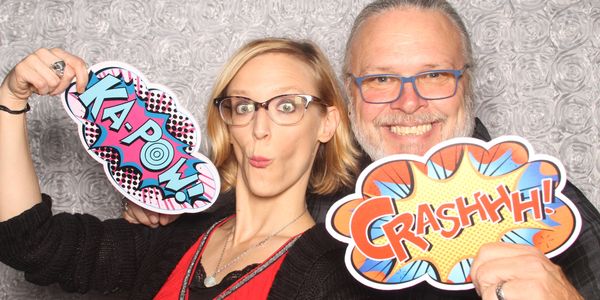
pixel 438 76
pixel 382 79
pixel 244 108
pixel 286 107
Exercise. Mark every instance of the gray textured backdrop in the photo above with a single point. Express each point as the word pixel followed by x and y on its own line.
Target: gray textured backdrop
pixel 537 75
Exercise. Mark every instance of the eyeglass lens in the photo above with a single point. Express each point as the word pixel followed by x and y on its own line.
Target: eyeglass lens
pixel 283 110
pixel 387 88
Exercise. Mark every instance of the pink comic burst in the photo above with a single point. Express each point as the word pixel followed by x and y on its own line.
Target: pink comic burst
pixel 146 141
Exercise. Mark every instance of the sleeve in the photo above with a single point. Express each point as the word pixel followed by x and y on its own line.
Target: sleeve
pixel 581 261
pixel 78 251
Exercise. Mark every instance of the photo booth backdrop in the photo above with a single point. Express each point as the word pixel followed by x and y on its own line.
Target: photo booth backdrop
pixel 537 75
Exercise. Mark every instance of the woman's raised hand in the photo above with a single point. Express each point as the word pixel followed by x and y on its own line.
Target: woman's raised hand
pixel 40 73
pixel 44 72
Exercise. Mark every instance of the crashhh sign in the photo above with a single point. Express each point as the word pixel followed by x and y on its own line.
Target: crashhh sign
pixel 414 219
pixel 145 139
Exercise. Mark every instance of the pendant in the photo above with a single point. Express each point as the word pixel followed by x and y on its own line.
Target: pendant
pixel 210 281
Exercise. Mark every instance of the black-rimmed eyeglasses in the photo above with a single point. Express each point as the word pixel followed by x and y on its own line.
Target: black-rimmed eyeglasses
pixel 285 109
pixel 430 85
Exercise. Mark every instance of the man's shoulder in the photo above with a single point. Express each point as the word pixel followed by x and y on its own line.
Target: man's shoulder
pixel 480 131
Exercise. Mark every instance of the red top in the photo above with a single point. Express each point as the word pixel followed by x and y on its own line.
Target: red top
pixel 253 285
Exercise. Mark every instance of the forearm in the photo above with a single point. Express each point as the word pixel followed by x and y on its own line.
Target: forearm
pixel 19 187
pixel 78 251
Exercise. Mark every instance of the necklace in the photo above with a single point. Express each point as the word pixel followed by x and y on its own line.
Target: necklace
pixel 211 281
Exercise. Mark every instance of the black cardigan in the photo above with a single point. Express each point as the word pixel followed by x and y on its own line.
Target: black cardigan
pixel 82 253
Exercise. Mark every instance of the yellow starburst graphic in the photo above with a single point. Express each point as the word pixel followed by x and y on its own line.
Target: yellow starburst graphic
pixel 402 224
pixel 445 253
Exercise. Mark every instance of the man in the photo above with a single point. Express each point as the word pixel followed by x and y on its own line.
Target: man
pixel 391 115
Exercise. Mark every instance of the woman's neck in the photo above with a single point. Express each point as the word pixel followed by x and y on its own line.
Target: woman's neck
pixel 263 216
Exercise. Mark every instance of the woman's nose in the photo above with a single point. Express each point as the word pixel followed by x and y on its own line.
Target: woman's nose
pixel 262 124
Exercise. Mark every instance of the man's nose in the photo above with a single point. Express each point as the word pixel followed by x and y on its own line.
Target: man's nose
pixel 409 101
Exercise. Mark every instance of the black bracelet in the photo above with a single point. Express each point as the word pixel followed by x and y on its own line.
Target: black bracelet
pixel 15 112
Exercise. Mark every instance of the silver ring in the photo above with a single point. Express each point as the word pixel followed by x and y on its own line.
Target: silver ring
pixel 124 204
pixel 499 291
pixel 59 68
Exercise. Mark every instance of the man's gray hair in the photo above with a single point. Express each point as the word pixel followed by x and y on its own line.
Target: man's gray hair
pixel 381 6
pixel 442 6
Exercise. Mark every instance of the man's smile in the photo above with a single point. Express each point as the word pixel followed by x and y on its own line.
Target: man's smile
pixel 411 130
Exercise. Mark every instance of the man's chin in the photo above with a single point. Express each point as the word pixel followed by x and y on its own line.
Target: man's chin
pixel 381 152
pixel 410 148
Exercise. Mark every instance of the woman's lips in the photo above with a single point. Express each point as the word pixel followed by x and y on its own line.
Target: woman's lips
pixel 259 161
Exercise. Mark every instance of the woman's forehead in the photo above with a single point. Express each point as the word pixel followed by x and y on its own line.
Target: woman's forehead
pixel 271 74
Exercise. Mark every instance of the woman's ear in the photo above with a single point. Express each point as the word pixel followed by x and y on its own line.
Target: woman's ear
pixel 329 124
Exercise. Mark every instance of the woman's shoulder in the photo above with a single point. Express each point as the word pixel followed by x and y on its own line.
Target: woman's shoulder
pixel 314 269
pixel 319 241
pixel 315 247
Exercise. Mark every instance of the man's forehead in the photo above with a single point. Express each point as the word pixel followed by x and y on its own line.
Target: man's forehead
pixel 417 39
pixel 405 68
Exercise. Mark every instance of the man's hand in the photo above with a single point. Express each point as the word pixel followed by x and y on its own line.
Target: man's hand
pixel 522 272
pixel 136 214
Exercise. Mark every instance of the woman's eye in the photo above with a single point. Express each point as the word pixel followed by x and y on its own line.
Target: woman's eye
pixel 286 107
pixel 244 108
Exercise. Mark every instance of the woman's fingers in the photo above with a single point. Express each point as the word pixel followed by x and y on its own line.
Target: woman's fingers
pixel 34 74
pixel 75 67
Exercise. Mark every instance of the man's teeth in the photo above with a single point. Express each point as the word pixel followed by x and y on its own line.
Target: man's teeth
pixel 410 130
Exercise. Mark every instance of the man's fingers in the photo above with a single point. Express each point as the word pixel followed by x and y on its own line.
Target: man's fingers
pixel 524 289
pixel 522 272
pixel 523 266
pixel 129 218
pixel 139 215
pixel 497 253
pixel 152 217
pixel 136 214
pixel 167 219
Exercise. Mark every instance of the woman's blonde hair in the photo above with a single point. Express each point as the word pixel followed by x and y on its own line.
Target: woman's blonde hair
pixel 335 163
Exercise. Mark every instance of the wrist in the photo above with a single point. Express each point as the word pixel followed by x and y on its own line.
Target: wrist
pixel 8 100
pixel 14 111
pixel 16 106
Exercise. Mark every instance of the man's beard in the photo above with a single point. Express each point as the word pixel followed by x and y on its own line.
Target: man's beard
pixel 376 150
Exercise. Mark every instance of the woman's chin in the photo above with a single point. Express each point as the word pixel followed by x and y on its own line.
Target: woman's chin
pixel 258 185
pixel 265 190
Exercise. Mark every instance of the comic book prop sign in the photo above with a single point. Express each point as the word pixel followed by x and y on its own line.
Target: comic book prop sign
pixel 146 140
pixel 415 219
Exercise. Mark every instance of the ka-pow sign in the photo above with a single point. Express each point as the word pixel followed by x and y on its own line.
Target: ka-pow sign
pixel 414 219
pixel 145 139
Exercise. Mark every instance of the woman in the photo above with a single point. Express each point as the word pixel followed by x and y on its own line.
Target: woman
pixel 278 126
